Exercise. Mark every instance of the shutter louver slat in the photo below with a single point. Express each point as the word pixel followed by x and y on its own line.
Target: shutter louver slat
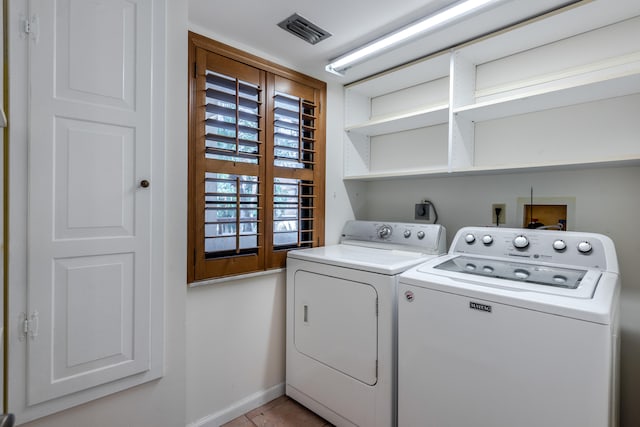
pixel 222 124
pixel 231 139
pixel 229 83
pixel 222 110
pixel 231 98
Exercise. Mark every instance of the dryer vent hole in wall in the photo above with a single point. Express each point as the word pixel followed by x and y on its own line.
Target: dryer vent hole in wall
pixel 545 216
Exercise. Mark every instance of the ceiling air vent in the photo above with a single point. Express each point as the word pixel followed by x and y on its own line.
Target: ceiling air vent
pixel 307 31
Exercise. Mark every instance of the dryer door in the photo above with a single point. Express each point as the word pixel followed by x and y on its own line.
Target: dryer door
pixel 336 323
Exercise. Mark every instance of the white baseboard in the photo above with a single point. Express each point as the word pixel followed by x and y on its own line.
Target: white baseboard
pixel 240 407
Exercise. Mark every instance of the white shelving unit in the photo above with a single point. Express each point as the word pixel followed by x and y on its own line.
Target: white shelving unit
pixel 408 120
pixel 591 86
pixel 508 79
pixel 398 108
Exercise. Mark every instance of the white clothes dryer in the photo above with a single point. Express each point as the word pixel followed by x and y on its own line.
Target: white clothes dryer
pixel 512 327
pixel 341 319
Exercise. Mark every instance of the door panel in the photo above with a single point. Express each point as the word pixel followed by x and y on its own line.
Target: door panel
pixel 336 323
pixel 89 220
pixel 94 171
pixel 107 28
pixel 98 325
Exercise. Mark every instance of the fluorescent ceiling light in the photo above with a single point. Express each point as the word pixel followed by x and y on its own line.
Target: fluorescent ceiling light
pixel 429 23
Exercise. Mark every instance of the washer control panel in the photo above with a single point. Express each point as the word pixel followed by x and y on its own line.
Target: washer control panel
pixel 553 246
pixel 427 238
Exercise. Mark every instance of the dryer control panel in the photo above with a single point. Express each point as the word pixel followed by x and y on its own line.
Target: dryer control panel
pixel 425 238
pixel 577 249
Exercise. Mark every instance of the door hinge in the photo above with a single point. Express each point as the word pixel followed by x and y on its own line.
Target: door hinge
pixel 26 25
pixel 30 27
pixel 29 325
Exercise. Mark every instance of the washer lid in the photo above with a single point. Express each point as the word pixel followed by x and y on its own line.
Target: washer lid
pixel 518 276
pixel 376 260
pixel 531 273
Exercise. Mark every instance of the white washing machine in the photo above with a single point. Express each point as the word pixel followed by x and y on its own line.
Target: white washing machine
pixel 341 314
pixel 511 328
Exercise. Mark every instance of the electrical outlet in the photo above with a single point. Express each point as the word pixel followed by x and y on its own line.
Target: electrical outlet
pixel 502 219
pixel 422 211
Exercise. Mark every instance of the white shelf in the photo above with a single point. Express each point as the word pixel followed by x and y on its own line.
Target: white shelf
pixel 490 170
pixel 424 70
pixel 404 121
pixel 590 86
pixel 399 174
pixel 578 19
pixel 526 167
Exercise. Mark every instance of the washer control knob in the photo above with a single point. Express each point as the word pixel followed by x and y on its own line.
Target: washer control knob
pixel 384 232
pixel 559 245
pixel 487 239
pixel 407 234
pixel 469 238
pixel 521 242
pixel 420 235
pixel 584 247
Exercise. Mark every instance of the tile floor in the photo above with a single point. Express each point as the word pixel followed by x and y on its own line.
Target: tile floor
pixel 280 412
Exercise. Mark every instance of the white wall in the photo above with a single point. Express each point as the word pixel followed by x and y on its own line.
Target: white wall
pixel 341 198
pixel 159 403
pixel 235 347
pixel 607 202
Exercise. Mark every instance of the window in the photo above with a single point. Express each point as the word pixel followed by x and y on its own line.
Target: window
pixel 256 161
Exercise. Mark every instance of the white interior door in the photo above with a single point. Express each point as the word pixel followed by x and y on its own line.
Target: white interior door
pixel 91 306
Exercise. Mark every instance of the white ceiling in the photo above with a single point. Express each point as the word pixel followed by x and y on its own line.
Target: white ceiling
pixel 351 23
pixel 252 25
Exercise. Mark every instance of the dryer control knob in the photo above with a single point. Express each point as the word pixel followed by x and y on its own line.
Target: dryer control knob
pixel 584 247
pixel 469 238
pixel 559 245
pixel 487 239
pixel 384 232
pixel 521 242
pixel 420 235
pixel 407 234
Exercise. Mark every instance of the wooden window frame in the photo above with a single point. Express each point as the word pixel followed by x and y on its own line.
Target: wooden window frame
pixel 198 268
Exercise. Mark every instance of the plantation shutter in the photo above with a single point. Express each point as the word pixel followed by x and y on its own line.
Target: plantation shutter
pixel 295 168
pixel 256 162
pixel 228 166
